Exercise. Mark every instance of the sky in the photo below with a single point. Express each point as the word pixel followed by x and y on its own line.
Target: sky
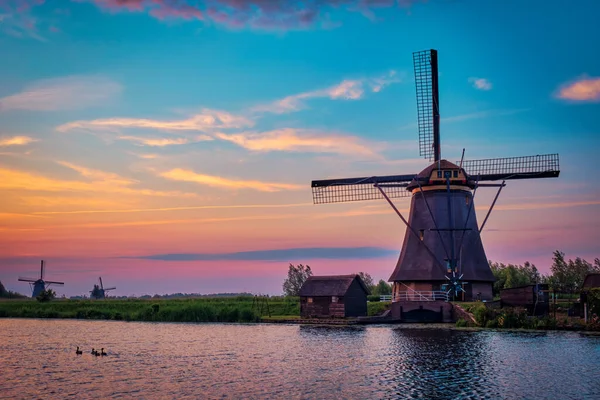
pixel 169 145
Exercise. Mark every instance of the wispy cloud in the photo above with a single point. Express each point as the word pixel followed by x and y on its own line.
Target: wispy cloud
pixel 17 21
pixel 484 114
pixel 206 120
pixel 16 141
pixel 98 182
pixel 185 175
pixel 162 142
pixel 281 254
pixel 154 142
pixel 271 15
pixel 301 140
pixel 480 83
pixel 67 93
pixel 346 90
pixel 474 115
pixel 208 207
pixel 583 89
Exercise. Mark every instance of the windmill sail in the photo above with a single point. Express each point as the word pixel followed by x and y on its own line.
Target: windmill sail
pixel 358 189
pixel 528 167
pixel 428 106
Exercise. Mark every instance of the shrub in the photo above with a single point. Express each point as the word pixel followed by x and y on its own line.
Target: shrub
pixel 461 323
pixel 373 298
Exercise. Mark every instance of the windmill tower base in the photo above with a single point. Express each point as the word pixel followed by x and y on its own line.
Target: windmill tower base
pixel 421 311
pixel 433 290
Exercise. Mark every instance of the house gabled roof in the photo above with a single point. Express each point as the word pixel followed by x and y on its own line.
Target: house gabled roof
pixel 332 285
pixel 591 281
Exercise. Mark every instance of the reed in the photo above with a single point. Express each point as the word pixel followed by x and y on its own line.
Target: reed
pixel 229 309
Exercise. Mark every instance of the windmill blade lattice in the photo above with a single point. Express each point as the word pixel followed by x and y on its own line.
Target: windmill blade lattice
pixel 528 167
pixel 359 189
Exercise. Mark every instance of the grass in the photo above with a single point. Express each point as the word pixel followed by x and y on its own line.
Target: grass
pixel 221 309
pixel 376 308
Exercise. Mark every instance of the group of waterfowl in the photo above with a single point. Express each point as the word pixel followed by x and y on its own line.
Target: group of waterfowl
pixel 94 352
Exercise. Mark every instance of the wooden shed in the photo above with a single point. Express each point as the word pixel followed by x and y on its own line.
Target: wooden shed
pixel 591 281
pixel 333 296
pixel 535 298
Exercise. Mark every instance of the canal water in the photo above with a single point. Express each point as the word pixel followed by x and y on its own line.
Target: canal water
pixel 214 361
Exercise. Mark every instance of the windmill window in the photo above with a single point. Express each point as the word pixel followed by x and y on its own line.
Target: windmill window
pixel 439 174
pixel 309 299
pixel 456 174
pixel 421 234
pixel 467 200
pixel 334 299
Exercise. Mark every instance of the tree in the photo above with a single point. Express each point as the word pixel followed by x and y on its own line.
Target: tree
pixel 8 294
pixel 383 288
pixel 568 276
pixel 297 275
pixel 368 280
pixel 46 295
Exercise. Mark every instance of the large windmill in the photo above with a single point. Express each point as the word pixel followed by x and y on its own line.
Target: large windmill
pixel 99 291
pixel 39 284
pixel 442 254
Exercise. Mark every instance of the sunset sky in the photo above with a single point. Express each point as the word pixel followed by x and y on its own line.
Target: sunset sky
pixel 134 131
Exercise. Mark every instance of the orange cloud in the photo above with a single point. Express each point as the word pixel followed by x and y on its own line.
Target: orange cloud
pixel 16 141
pixel 350 89
pixel 161 142
pixel 583 89
pixel 206 120
pixel 179 174
pixel 299 140
pixel 101 182
pixel 67 93
pixel 209 207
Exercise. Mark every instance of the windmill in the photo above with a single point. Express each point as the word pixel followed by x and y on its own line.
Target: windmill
pixel 442 254
pixel 39 284
pixel 99 292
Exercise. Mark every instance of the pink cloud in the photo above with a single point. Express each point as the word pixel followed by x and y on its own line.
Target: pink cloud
pixel 235 14
pixel 258 14
pixel 582 89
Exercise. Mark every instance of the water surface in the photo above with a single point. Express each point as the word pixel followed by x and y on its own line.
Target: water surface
pixel 202 361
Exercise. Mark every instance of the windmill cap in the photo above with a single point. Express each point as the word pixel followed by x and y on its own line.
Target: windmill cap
pixel 424 175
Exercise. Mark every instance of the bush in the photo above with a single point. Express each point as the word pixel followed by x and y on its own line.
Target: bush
pixel 461 323
pixel 373 298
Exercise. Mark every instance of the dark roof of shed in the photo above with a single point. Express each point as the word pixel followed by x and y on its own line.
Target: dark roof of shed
pixel 332 285
pixel 592 281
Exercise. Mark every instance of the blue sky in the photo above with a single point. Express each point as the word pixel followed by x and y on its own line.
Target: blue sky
pixel 103 94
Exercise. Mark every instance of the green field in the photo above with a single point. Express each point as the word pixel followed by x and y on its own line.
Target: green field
pixel 201 309
pixel 217 309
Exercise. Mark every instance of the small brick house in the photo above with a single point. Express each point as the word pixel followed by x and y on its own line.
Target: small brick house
pixel 333 296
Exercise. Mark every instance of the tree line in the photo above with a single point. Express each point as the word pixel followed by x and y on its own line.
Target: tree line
pixel 565 276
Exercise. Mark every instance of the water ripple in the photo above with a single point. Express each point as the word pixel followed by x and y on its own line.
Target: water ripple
pixel 222 361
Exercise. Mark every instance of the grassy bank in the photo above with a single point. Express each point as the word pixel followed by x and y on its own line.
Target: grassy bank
pixel 229 309
pixel 211 309
pixel 517 318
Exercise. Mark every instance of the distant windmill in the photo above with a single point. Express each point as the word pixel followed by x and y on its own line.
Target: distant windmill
pixel 442 254
pixel 38 285
pixel 99 292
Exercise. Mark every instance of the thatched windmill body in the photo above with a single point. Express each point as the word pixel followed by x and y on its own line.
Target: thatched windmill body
pixel 39 284
pixel 442 254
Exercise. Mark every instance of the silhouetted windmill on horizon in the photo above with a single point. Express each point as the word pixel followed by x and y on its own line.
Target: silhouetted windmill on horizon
pixel 442 253
pixel 99 292
pixel 39 284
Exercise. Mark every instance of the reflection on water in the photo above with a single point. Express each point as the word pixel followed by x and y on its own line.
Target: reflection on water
pixel 158 360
